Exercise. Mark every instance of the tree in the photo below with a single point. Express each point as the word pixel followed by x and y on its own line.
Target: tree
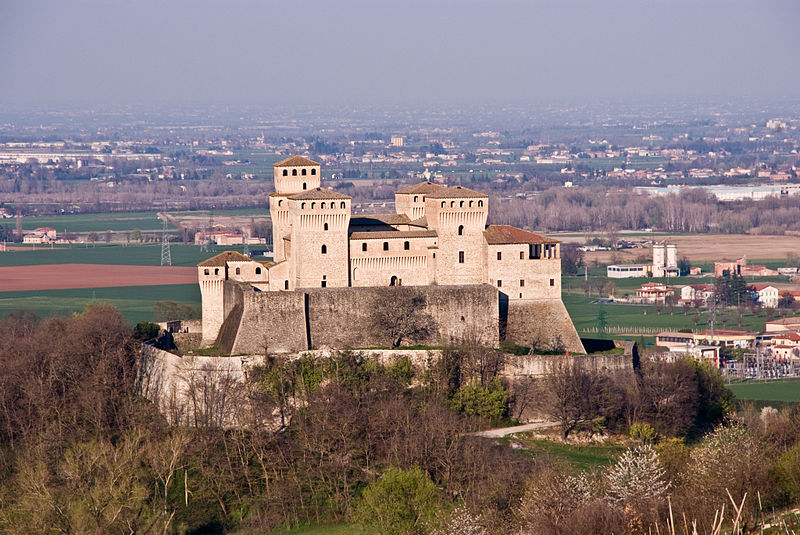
pixel 786 300
pixel 637 476
pixel 401 316
pixel 93 237
pixel 571 259
pixel 684 265
pixel 401 502
pixel 474 399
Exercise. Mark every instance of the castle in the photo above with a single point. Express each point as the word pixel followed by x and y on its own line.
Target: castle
pixel 438 238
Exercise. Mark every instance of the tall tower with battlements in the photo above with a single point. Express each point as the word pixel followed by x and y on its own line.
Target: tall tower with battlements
pixel 291 176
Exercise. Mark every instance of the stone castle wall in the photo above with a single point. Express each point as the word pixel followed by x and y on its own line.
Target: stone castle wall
pixel 288 322
pixel 544 323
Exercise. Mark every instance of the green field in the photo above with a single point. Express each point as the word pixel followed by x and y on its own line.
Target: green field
pixel 582 457
pixel 115 221
pixel 585 314
pixel 134 302
pixel 782 390
pixel 134 255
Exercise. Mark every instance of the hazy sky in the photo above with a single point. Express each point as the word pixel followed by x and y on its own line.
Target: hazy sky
pixel 262 52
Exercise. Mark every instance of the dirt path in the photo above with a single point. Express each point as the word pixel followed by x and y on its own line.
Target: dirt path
pixel 505 431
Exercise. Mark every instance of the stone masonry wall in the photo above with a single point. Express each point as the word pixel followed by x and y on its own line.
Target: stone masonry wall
pixel 544 322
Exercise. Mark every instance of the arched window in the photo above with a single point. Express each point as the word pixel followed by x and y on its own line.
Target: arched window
pixel 406 246
pixel 216 271
pixel 324 249
pixel 258 271
pixel 364 246
pixel 294 172
pixel 415 198
pixel 393 281
pixel 313 205
pixel 452 204
pixel 285 285
pixel 238 271
pixel 461 204
pixel 480 203
pixel 302 206
pixel 461 230
pixel 442 204
pixel 206 272
pixel 304 185
pixel 280 202
pixel 313 172
pixel 325 226
pixel 322 205
pixel 303 172
pixel 285 172
pixel 470 203
pixel 355 274
pixel 341 205
pixel 386 246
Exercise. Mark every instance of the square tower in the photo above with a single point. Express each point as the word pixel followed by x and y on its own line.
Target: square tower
pixel 292 175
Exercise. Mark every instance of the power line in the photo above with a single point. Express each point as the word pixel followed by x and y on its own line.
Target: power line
pixel 166 256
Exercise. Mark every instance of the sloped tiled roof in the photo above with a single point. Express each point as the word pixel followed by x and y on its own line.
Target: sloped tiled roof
pixel 223 258
pixel 421 222
pixel 319 194
pixel 506 234
pixel 384 235
pixel 380 219
pixel 295 161
pixel 456 192
pixel 423 188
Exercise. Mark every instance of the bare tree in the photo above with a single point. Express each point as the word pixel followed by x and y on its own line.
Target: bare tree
pixel 401 316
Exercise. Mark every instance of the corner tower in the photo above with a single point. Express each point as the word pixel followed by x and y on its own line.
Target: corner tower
pixel 292 175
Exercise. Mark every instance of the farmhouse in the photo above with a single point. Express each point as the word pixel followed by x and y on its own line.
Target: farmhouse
pixel 437 243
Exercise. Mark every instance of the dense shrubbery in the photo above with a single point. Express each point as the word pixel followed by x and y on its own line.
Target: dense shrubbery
pixel 380 445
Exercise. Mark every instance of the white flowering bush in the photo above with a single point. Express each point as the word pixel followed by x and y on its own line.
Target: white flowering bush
pixel 637 476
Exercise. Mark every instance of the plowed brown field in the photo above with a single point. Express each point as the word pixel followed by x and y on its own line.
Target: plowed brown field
pixel 64 276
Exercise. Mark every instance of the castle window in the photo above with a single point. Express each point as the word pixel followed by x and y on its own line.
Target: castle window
pixel 303 172
pixel 285 285
pixel 216 271
pixel 552 282
pixel 206 272
pixel 534 251
pixel 520 295
pixel 342 205
pixel 294 172
pixel 470 203
pixel 324 284
pixel 355 274
pixel 522 283
pixel 406 246
pixel 480 203
pixel 313 171
pixel 461 204
pixel 364 246
pixel 452 204
pixel 238 271
pixel 415 198
pixel 394 281
pixel 258 271
pixel 499 255
pixel 461 257
pixel 499 283
pixel 522 255
pixel 304 185
pixel 325 227
pixel 324 249
pixel 303 206
pixel 461 230
pixel 280 202
pixel 386 246
pixel 442 204
pixel 285 172
pixel 313 205
pixel 322 205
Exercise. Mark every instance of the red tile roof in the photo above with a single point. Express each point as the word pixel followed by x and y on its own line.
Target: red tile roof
pixel 506 234
pixel 223 258
pixel 423 188
pixel 318 194
pixel 295 161
pixel 456 192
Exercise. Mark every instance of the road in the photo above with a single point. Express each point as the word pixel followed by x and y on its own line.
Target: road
pixel 505 431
